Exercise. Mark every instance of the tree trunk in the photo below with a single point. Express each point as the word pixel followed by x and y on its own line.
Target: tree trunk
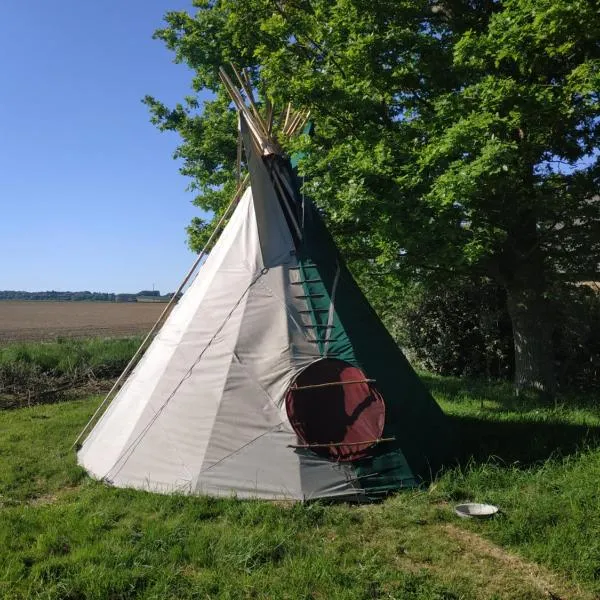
pixel 524 273
pixel 532 332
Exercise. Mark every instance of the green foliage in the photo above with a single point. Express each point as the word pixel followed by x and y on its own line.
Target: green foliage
pixel 438 126
pixel 65 536
pixel 104 355
pixel 577 337
pixel 451 137
pixel 463 328
pixel 40 371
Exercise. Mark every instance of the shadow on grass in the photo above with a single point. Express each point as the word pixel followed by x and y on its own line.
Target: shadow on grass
pixel 524 442
pixel 460 390
pixel 490 422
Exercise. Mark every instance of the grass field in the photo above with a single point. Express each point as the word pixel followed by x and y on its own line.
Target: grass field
pixel 21 320
pixel 63 536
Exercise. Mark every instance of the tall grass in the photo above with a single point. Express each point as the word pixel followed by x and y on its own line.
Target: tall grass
pixel 63 536
pixel 65 356
pixel 40 371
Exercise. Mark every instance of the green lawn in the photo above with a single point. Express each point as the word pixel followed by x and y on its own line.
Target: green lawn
pixel 63 536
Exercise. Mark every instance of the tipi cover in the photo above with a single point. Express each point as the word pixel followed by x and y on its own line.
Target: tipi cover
pixel 272 377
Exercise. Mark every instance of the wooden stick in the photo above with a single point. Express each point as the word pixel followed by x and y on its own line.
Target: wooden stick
pixel 247 88
pixel 337 444
pixel 269 116
pixel 291 123
pixel 286 204
pixel 303 123
pixel 294 123
pixel 248 81
pixel 246 76
pixel 287 116
pixel 238 162
pixel 248 91
pixel 292 116
pixel 267 147
pixel 233 92
pixel 286 184
pixel 331 383
pixel 166 310
pixel 241 106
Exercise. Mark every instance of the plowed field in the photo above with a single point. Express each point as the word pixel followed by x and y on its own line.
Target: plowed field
pixel 48 320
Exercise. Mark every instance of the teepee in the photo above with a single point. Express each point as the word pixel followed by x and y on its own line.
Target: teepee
pixel 272 376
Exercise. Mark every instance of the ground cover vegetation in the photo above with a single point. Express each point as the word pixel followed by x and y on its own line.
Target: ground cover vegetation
pixel 453 138
pixel 464 328
pixel 64 536
pixel 454 158
pixel 34 372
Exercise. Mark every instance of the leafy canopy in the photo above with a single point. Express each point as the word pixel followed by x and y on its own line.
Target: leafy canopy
pixel 456 136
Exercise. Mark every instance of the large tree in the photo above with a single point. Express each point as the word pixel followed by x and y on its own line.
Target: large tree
pixel 451 137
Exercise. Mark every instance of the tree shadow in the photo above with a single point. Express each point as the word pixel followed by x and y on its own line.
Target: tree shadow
pixel 457 389
pixel 519 431
pixel 521 443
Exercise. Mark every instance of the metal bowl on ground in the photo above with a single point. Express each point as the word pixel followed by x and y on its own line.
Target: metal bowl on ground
pixel 474 510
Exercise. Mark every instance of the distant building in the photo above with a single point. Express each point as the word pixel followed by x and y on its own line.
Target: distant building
pixel 153 299
pixel 125 298
pixel 148 293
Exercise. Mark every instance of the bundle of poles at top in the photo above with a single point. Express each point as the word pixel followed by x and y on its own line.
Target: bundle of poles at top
pixel 264 139
pixel 261 124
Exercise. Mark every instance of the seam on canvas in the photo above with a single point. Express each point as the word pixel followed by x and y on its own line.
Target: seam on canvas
pixel 331 314
pixel 126 454
pixel 242 447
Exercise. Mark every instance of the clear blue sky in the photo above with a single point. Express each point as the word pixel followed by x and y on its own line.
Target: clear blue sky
pixel 90 197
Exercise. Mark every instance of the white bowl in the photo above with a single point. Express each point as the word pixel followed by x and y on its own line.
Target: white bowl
pixel 473 510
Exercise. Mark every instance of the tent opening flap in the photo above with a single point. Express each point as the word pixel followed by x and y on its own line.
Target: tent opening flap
pixel 335 410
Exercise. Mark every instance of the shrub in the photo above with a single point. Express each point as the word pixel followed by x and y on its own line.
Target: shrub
pixel 577 338
pixel 461 330
pixel 464 329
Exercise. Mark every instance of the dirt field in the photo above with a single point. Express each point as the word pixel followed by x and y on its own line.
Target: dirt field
pixel 48 320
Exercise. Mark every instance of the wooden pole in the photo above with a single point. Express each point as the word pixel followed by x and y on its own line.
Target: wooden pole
pixel 255 124
pixel 337 444
pixel 287 116
pixel 304 120
pixel 331 383
pixel 255 110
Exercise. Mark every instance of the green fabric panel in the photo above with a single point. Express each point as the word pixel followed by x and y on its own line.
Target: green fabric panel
pixel 423 438
pixel 317 299
pixel 384 473
pixel 309 272
pixel 318 287
pixel 360 338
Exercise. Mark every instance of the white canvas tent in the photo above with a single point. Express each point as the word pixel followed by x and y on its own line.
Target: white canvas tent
pixel 218 404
